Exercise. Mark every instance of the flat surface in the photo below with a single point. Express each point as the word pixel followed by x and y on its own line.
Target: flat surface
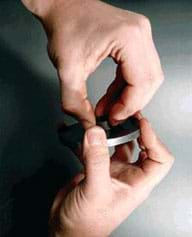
pixel 32 162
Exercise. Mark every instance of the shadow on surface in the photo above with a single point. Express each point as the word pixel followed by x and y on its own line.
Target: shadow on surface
pixel 33 165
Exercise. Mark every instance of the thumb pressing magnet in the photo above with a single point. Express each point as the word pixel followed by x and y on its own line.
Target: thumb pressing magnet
pixel 72 136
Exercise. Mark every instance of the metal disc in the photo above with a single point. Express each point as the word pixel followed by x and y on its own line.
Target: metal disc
pixel 72 136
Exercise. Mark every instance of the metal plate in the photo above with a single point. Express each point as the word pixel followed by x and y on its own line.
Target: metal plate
pixel 72 136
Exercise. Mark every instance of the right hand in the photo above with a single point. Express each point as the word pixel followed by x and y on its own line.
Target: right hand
pixel 81 34
pixel 99 199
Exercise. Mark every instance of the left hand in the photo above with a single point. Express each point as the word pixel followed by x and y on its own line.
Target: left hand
pixel 97 201
pixel 81 34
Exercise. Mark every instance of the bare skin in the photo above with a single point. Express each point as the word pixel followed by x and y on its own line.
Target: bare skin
pixel 81 34
pixel 98 200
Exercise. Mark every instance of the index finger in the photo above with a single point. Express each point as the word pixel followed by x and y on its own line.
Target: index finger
pixel 158 160
pixel 74 97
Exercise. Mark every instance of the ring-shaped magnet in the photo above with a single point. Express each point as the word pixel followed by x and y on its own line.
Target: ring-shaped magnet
pixel 72 136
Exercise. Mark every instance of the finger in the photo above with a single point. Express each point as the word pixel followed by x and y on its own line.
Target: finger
pixel 122 156
pixel 141 69
pixel 124 153
pixel 141 158
pixel 152 143
pixel 96 159
pixel 128 103
pixel 159 160
pixel 138 115
pixel 74 96
pixel 140 143
pixel 113 92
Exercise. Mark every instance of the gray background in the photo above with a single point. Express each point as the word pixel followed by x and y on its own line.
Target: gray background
pixel 33 165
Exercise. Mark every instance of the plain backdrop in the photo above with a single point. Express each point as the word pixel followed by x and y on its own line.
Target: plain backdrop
pixel 33 164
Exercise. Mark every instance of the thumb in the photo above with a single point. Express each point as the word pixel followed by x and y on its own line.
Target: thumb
pixel 96 158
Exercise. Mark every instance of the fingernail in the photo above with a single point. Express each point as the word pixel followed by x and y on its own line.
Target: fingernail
pixel 96 136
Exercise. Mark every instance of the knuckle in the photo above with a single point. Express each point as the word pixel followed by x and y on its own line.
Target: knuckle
pixel 129 30
pixel 134 29
pixel 68 107
pixel 154 81
pixel 144 22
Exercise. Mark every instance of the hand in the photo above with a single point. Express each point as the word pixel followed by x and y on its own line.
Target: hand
pixel 96 202
pixel 81 34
